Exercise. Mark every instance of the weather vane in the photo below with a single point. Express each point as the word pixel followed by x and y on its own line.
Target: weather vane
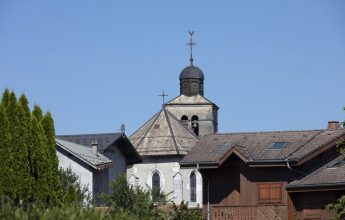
pixel 191 44
pixel 163 95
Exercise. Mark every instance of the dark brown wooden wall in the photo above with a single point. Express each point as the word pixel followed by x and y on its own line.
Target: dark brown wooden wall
pixel 311 205
pixel 235 183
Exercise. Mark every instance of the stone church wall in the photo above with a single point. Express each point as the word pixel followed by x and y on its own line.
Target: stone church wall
pixel 173 180
pixel 206 114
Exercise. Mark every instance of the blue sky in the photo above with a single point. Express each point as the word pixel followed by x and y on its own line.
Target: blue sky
pixel 268 65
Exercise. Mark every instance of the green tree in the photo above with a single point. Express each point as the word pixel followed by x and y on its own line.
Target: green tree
pixel 69 178
pixel 21 165
pixel 133 200
pixel 71 198
pixel 182 212
pixel 5 98
pixel 47 123
pixel 23 102
pixel 39 163
pixel 6 159
pixel 37 112
pixel 339 206
pixel 19 150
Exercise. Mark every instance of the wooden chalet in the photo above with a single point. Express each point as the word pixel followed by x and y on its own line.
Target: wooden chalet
pixel 270 175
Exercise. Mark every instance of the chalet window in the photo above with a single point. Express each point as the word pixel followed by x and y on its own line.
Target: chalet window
pixel 192 179
pixel 269 193
pixel 156 181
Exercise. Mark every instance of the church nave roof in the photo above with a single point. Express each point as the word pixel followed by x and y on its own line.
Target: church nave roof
pixel 163 134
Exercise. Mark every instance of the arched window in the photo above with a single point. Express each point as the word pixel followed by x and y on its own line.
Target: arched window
pixel 192 180
pixel 156 181
pixel 184 120
pixel 195 124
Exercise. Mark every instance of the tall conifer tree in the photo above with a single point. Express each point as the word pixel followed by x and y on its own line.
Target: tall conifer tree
pixel 27 183
pixel 5 98
pixel 6 159
pixel 12 114
pixel 40 162
pixel 19 150
pixel 37 112
pixel 23 101
pixel 54 181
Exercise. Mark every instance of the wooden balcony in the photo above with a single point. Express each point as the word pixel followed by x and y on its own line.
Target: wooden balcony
pixel 264 212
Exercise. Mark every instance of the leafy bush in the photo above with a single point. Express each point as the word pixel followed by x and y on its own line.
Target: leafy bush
pixel 70 179
pixel 182 212
pixel 133 200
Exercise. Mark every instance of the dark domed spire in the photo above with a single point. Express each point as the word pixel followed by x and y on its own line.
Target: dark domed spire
pixel 191 77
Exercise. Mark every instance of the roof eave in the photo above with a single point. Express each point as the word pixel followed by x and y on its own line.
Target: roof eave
pixel 94 166
pixel 201 165
pixel 271 163
pixel 315 187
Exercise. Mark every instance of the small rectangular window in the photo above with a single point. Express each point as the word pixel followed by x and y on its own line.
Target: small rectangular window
pixel 270 193
pixel 278 145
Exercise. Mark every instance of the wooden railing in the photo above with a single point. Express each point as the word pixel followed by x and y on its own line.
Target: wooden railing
pixel 267 212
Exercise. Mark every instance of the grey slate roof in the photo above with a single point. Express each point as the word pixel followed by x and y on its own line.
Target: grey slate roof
pixel 190 100
pixel 327 175
pixel 163 134
pixel 103 140
pixel 84 153
pixel 255 146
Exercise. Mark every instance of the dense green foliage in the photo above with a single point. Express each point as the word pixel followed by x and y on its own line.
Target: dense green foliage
pixel 29 165
pixel 138 203
pixel 182 212
pixel 339 206
pixel 65 212
pixel 70 179
pixel 5 156
pixel 134 200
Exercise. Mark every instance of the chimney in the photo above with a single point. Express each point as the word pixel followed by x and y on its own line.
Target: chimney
pixel 94 147
pixel 333 125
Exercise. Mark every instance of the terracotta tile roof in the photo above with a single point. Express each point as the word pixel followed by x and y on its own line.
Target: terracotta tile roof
pixel 331 174
pixel 257 146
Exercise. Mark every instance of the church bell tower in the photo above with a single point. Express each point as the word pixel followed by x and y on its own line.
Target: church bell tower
pixel 191 107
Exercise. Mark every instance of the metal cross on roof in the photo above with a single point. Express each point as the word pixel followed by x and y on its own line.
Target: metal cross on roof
pixel 163 96
pixel 191 44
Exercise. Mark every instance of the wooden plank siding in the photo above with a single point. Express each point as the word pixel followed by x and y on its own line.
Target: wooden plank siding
pixel 267 212
pixel 310 205
pixel 234 191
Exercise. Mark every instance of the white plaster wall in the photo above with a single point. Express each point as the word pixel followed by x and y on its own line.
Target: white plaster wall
pixel 119 161
pixel 85 175
pixel 142 173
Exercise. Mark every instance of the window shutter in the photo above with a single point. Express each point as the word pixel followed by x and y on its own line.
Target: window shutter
pixel 270 193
